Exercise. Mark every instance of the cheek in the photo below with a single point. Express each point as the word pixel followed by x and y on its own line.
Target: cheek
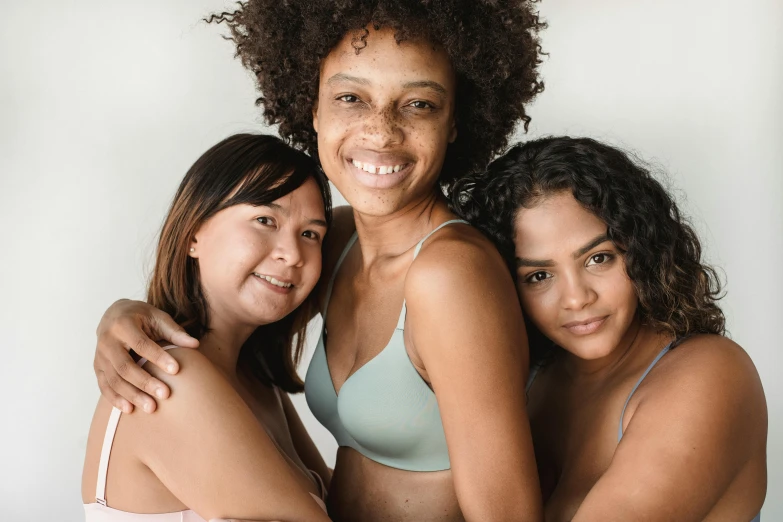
pixel 539 306
pixel 234 255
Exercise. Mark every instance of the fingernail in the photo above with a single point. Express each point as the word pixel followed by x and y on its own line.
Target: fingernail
pixel 171 368
pixel 148 408
pixel 159 393
pixel 126 408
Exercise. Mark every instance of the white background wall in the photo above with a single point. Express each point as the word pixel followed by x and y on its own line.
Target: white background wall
pixel 104 105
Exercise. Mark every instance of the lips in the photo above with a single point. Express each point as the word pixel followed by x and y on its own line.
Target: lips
pixel 277 284
pixel 586 326
pixel 381 173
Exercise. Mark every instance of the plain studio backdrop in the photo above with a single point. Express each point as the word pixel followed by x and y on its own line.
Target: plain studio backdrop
pixel 104 105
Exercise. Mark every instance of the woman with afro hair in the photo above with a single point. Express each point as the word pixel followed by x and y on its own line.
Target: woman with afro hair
pixel 420 369
pixel 640 407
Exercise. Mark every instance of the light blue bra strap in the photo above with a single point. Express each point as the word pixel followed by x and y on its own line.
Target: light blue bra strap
pixel 652 365
pixel 401 320
pixel 532 377
pixel 425 238
pixel 334 272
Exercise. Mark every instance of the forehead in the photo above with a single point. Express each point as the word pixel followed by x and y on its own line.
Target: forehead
pixel 557 222
pixel 304 199
pixel 382 59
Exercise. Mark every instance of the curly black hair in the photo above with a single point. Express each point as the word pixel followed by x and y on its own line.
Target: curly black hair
pixel 493 46
pixel 677 292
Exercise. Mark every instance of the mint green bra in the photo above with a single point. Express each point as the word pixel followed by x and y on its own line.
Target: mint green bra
pixel 385 410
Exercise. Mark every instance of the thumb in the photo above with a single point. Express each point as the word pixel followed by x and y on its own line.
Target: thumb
pixel 165 328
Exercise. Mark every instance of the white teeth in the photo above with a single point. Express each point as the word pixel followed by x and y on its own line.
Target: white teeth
pixel 274 281
pixel 372 169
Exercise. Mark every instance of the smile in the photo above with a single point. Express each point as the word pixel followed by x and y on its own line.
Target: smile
pixel 375 169
pixel 274 281
pixel 586 327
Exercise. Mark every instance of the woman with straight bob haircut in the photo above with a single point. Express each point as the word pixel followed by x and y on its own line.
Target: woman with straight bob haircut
pixel 640 407
pixel 238 257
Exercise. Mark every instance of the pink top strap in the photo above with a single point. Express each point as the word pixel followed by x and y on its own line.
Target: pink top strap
pixel 108 441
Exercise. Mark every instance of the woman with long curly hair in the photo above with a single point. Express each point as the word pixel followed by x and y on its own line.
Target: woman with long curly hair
pixel 420 369
pixel 640 407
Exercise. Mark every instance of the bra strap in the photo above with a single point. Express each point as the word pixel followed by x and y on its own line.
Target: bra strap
pixel 425 238
pixel 403 312
pixel 108 441
pixel 103 466
pixel 652 365
pixel 334 273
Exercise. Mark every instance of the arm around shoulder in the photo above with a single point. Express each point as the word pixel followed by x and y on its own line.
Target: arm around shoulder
pixel 208 449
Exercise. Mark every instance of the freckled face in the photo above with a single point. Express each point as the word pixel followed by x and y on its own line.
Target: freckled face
pixel 384 118
pixel 257 264
pixel 571 279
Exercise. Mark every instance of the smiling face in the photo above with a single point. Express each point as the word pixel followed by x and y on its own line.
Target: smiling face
pixel 258 263
pixel 571 278
pixel 384 118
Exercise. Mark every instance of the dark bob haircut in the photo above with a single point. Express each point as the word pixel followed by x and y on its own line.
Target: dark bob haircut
pixel 677 292
pixel 493 46
pixel 249 169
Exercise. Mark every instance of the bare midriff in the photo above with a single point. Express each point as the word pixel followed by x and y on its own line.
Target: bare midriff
pixel 363 489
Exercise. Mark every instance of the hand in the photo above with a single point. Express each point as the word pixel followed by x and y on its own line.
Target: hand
pixel 134 325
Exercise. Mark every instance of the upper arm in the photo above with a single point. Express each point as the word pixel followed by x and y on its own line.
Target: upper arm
pixel 698 422
pixel 207 448
pixel 467 328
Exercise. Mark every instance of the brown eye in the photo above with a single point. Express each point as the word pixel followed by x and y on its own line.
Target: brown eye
pixel 421 105
pixel 348 98
pixel 600 258
pixel 264 220
pixel 538 277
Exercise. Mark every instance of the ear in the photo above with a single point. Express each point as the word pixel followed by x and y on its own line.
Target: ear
pixel 315 116
pixel 193 249
pixel 453 130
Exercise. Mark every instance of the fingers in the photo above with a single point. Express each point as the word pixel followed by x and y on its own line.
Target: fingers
pixel 165 328
pixel 123 386
pixel 113 398
pixel 124 374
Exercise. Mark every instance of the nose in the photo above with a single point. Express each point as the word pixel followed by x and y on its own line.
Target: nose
pixel 288 249
pixel 382 128
pixel 576 293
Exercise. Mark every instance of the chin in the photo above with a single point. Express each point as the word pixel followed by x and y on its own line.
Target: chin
pixel 590 349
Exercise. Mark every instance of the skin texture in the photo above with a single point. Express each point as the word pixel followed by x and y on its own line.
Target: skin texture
pixel 464 329
pixel 695 430
pixel 223 444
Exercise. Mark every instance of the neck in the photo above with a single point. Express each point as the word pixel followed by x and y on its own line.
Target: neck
pixel 393 235
pixel 223 342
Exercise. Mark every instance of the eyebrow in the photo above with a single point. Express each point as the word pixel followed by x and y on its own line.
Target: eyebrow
pixel 525 262
pixel 425 84
pixel 342 77
pixel 283 210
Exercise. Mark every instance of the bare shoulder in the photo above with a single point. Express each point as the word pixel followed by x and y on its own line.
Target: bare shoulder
pixel 452 254
pixel 710 380
pixel 198 386
pixel 708 361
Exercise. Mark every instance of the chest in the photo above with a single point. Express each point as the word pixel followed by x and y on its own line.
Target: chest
pixel 363 313
pixel 268 409
pixel 575 436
